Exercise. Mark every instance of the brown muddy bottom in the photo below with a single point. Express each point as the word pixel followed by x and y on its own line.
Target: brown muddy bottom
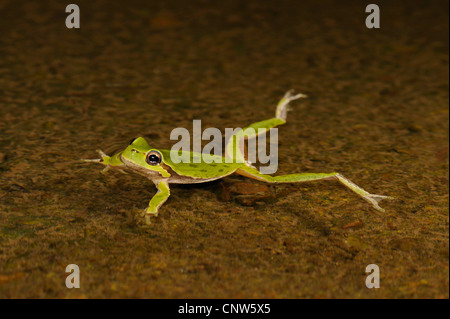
pixel 377 112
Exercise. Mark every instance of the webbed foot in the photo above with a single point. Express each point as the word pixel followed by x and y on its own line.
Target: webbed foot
pixel 282 106
pixel 148 215
pixel 374 199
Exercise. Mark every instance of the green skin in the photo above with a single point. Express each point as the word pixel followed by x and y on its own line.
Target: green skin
pixel 133 159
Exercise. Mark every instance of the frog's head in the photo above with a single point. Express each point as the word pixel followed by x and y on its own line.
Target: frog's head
pixel 144 159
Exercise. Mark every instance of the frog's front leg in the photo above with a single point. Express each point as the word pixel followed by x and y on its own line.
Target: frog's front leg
pixel 157 200
pixel 109 161
pixel 306 177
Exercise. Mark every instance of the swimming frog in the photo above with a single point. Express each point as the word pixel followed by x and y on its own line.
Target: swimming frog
pixel 157 165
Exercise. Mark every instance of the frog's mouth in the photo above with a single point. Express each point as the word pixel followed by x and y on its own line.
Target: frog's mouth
pixel 133 167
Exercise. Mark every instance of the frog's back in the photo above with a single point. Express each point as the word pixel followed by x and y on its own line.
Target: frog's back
pixel 193 167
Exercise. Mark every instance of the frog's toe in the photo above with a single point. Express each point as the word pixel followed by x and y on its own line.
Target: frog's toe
pixel 147 219
pixel 282 109
pixel 290 96
pixel 147 214
pixel 374 199
pixel 102 154
pixel 96 160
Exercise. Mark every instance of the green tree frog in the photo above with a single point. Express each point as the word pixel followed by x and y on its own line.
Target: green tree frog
pixel 141 158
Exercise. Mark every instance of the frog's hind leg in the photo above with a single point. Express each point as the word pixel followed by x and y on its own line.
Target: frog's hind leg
pixel 280 116
pixel 282 106
pixel 373 199
pixel 258 128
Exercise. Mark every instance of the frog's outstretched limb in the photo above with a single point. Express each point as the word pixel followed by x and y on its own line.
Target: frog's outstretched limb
pixel 108 161
pixel 157 200
pixel 258 128
pixel 97 160
pixel 282 107
pixel 280 118
pixel 306 177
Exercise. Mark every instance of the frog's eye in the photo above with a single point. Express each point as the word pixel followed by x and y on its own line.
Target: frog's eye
pixel 153 158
